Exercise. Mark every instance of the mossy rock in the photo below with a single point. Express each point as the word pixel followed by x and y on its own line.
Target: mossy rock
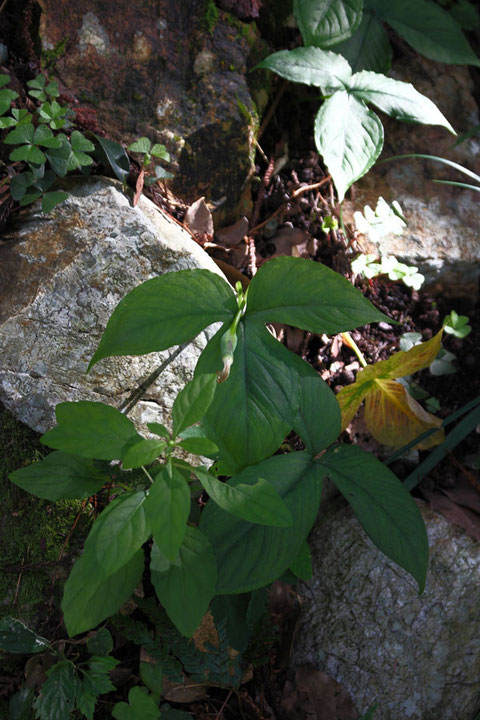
pixel 38 538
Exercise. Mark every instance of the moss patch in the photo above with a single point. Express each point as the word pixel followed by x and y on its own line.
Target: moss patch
pixel 32 534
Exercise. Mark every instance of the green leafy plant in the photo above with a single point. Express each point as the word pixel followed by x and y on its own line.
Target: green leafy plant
pixel 384 220
pixel 356 29
pixel 255 524
pixel 457 325
pixel 369 266
pixel 143 146
pixel 349 135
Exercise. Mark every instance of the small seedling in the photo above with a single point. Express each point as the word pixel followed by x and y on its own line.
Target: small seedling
pixel 143 146
pixel 369 266
pixel 457 325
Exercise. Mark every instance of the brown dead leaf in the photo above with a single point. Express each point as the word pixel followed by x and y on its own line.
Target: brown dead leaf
pixel 233 234
pixel 185 692
pixel 459 505
pixel 139 186
pixel 316 696
pixel 199 219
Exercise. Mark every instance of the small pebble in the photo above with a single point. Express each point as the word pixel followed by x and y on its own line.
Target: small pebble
pixel 384 326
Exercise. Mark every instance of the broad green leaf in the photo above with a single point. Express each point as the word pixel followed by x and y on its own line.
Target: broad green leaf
pixel 58 157
pixel 159 429
pixel 193 401
pixel 101 643
pixel 141 451
pixel 429 29
pixel 398 99
pixel 199 445
pixel 20 705
pixel 318 421
pixel 307 295
pixel 369 47
pixel 142 145
pixel 252 556
pixel 4 80
pixel 57 698
pixel 151 674
pixel 327 22
pixel 89 597
pixel 60 476
pixel 44 136
pixel 186 586
pixel 349 136
pixel 141 706
pixel 90 429
pixel 166 311
pixel 5 122
pixel 386 510
pixel 310 66
pixel 28 153
pixel 80 143
pixel 85 702
pixel 22 134
pixel 116 157
pixel 30 198
pixel 118 533
pixel 302 565
pixel 167 508
pixel 16 637
pixel 258 503
pixel 161 152
pixel 38 82
pixel 52 199
pixel 253 409
pixel 6 97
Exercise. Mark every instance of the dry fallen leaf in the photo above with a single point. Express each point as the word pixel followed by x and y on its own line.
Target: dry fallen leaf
pixel 199 219
pixel 316 696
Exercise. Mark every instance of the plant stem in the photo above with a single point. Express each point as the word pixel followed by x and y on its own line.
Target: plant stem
pixel 147 474
pixel 348 340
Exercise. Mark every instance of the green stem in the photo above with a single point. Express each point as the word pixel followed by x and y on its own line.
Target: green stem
pixel 348 340
pixel 147 474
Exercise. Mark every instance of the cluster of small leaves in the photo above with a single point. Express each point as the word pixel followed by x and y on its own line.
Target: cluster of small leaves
pixel 46 152
pixel 143 146
pixel 369 266
pixel 457 325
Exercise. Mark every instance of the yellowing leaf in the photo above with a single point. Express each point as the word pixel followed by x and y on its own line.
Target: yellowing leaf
pixel 404 363
pixel 391 414
pixel 350 398
pixel 395 418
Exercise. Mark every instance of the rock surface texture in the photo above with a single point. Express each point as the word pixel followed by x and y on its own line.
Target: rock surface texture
pixel 443 221
pixel 61 276
pixel 364 624
pixel 172 71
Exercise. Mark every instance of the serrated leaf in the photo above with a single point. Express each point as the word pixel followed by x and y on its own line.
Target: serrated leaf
pixel 167 508
pixel 116 157
pixel 166 311
pixel 101 643
pixel 429 29
pixel 90 429
pixel 96 675
pixel 193 401
pixel 186 586
pixel 57 696
pixel 327 22
pixel 398 99
pixel 369 47
pixel 142 145
pixel 60 476
pixel 89 597
pixel 85 702
pixel 385 509
pixel 52 199
pixel 310 66
pixel 141 452
pixel 257 503
pixel 349 136
pixel 16 637
pixel 21 703
pixel 118 533
pixel 141 706
pixel 252 556
pixel 307 295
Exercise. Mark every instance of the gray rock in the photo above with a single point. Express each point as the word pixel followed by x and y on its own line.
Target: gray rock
pixel 61 276
pixel 443 221
pixel 364 624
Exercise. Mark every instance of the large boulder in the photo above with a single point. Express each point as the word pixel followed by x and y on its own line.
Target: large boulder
pixel 173 71
pixel 61 276
pixel 441 238
pixel 364 623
